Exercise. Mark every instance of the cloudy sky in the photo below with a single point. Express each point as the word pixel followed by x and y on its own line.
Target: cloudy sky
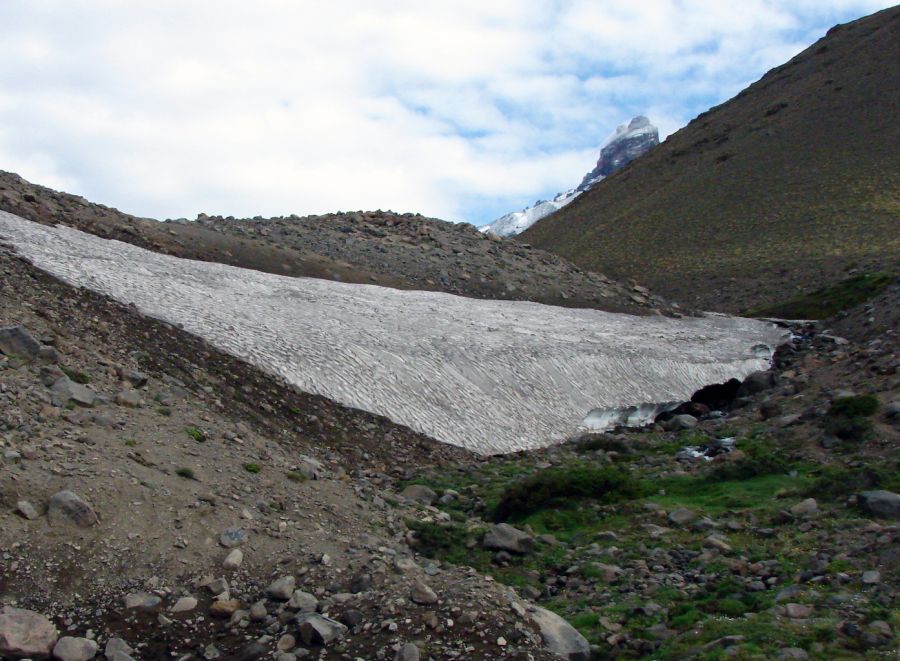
pixel 459 109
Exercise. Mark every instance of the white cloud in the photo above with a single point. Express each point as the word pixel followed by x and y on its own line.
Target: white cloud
pixel 450 108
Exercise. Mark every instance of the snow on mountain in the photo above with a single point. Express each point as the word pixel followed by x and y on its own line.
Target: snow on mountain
pixel 491 376
pixel 626 143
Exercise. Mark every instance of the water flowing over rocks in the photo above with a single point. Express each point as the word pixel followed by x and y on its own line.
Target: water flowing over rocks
pixel 490 376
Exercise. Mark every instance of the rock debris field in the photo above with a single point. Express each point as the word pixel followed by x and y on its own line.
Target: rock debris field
pixel 490 376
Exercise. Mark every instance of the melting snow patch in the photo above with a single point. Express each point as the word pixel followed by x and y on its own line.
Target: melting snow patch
pixel 491 376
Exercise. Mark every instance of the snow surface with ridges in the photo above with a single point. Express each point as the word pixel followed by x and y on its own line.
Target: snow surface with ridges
pixel 490 376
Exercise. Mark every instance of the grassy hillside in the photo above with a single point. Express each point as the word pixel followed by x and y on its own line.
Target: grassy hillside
pixel 775 193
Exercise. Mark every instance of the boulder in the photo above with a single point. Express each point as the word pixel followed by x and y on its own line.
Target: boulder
pixel 70 648
pixel 409 652
pixel 317 629
pixel 24 633
pixel 70 392
pixel 756 382
pixel 419 493
pixel 560 637
pixel 281 589
pixel 679 422
pixel 67 508
pixel 422 594
pixel 681 516
pixel 303 602
pixel 141 601
pixel 233 537
pixel 16 341
pixel 882 504
pixel 504 537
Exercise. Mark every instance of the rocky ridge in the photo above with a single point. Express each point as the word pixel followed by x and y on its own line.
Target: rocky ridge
pixel 404 251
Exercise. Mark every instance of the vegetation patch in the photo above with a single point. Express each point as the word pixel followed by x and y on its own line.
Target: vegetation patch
pixel 760 457
pixel 828 301
pixel 197 434
pixel 848 417
pixel 186 473
pixel 565 485
pixel 838 482
pixel 75 375
pixel 252 468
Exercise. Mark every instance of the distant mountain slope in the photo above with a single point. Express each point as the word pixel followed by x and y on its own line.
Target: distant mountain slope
pixel 627 143
pixel 782 189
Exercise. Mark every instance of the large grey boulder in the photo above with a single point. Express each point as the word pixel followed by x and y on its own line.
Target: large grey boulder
pixel 16 341
pixel 883 504
pixel 504 537
pixel 560 637
pixel 24 633
pixel 67 508
pixel 70 392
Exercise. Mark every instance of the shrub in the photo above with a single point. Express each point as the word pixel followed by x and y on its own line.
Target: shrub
pixel 848 417
pixel 195 433
pixel 186 473
pixel 836 482
pixel 252 468
pixel 437 539
pixel 565 485
pixel 296 476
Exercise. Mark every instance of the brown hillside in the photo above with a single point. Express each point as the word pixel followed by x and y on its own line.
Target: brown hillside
pixel 780 190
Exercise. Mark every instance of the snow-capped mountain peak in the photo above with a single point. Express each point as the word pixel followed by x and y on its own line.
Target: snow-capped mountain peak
pixel 626 143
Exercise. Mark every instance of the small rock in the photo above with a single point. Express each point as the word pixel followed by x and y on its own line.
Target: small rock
pixel 282 588
pixel 872 577
pixel 66 508
pixel 233 537
pixel 224 608
pixel 24 633
pixel 184 605
pixel 286 643
pixel 679 422
pixel 233 560
pixel 681 516
pixel 303 602
pixel 798 611
pixel 27 510
pixel 117 646
pixel 422 594
pixel 141 601
pixel 717 543
pixel 129 398
pixel 409 652
pixel 69 648
pixel 805 507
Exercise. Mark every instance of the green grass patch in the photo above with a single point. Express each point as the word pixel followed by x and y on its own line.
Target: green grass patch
pixel 720 495
pixel 296 476
pixel 848 418
pixel 565 486
pixel 164 410
pixel 760 457
pixel 252 468
pixel 837 482
pixel 828 301
pixel 197 434
pixel 130 442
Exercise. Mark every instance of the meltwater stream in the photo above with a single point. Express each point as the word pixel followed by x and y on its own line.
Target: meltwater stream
pixel 490 376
